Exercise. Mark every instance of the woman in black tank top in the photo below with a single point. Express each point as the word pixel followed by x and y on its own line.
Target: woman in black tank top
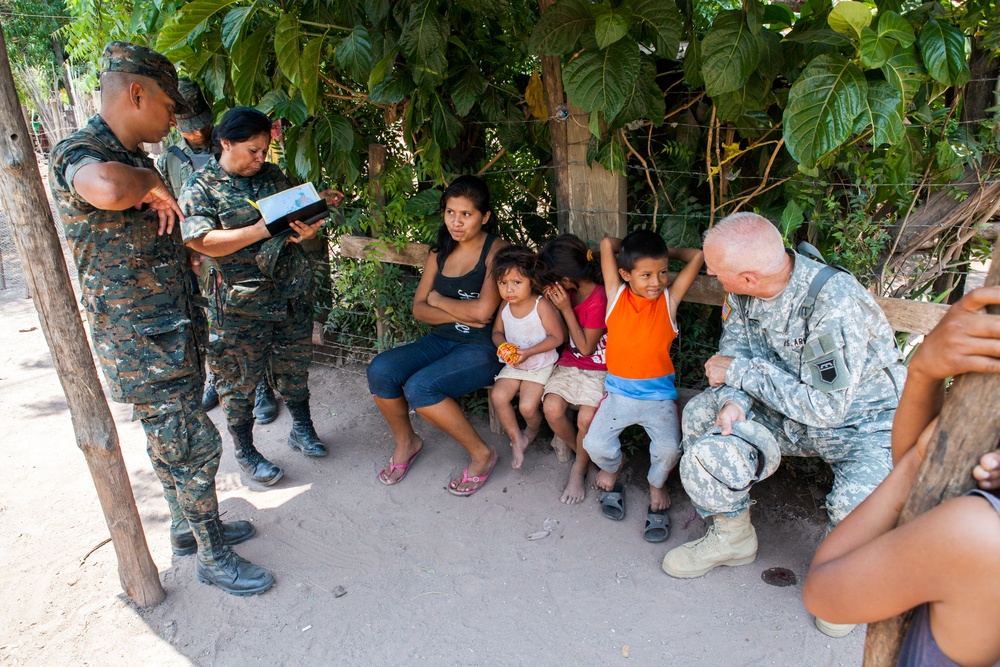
pixel 457 298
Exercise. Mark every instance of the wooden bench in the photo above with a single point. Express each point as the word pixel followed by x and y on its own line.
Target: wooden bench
pixel 913 317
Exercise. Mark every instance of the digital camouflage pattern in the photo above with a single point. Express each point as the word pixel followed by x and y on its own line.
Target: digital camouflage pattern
pixel 139 305
pixel 198 114
pixel 136 59
pixel 132 281
pixel 825 387
pixel 185 447
pixel 176 170
pixel 253 327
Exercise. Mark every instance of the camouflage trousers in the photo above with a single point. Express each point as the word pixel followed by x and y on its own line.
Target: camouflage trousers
pixel 184 446
pixel 860 455
pixel 247 346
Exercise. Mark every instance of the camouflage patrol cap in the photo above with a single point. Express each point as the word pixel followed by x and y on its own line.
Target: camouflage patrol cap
pixel 718 470
pixel 136 59
pixel 198 114
pixel 286 265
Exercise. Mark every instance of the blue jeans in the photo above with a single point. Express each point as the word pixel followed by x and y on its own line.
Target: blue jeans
pixel 432 369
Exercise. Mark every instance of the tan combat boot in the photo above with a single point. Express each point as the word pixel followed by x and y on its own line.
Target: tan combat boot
pixel 730 541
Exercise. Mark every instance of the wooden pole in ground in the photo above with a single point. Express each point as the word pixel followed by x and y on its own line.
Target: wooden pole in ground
pixel 41 256
pixel 967 429
pixel 555 99
pixel 376 165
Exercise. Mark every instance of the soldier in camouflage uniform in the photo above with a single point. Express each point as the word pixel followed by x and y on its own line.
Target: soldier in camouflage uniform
pixel 176 164
pixel 261 316
pixel 824 384
pixel 120 218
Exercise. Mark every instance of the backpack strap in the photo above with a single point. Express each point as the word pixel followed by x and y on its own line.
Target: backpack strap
pixel 809 303
pixel 180 155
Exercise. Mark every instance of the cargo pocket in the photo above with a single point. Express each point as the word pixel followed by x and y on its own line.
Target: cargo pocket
pixel 256 299
pixel 163 353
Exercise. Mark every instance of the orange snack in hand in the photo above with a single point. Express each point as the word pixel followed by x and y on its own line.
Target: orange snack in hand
pixel 509 353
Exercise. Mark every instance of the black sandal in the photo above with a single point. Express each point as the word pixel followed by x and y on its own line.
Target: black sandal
pixel 657 525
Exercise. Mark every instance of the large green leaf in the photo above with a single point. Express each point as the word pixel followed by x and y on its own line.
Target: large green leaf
pixel 425 202
pixel 309 71
pixel 381 69
pixel 772 58
pixel 560 28
pixel 875 49
pixel 213 75
pixel 446 127
pixel 665 20
pixel 894 26
pixel 822 105
pixel 883 102
pixel 286 47
pixel 905 72
pixel 232 24
pixel 730 53
pixel 692 64
pixel 849 17
pixel 192 18
pixel 943 49
pixel 306 161
pixel 600 80
pixel 751 97
pixel 354 54
pixel 609 153
pixel 425 32
pixel 390 91
pixel 778 16
pixel 334 131
pixel 277 104
pixel 818 36
pixel 248 64
pixel 429 71
pixel 611 23
pixel 467 88
pixel 644 100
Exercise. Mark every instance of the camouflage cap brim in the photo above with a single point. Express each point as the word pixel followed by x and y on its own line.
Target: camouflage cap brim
pixel 195 122
pixel 137 59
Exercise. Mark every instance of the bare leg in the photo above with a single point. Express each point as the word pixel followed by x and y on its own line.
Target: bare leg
pixel 659 499
pixel 396 412
pixel 575 490
pixel 504 391
pixel 448 417
pixel 528 404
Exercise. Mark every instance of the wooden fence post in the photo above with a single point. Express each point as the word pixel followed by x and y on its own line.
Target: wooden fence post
pixel 45 269
pixel 967 429
pixel 555 99
pixel 376 165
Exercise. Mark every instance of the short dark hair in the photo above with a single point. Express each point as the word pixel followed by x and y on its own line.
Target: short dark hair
pixel 566 256
pixel 641 244
pixel 241 124
pixel 523 260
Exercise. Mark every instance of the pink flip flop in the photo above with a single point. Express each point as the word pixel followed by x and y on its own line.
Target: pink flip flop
pixel 385 474
pixel 479 480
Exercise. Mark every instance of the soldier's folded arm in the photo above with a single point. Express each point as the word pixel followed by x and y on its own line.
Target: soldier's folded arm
pixel 113 186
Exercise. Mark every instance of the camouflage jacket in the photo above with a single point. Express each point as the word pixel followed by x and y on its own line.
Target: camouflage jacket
pixel 214 199
pixel 177 171
pixel 132 280
pixel 840 367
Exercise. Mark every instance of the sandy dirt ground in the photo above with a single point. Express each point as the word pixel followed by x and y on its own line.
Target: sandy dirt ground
pixel 430 579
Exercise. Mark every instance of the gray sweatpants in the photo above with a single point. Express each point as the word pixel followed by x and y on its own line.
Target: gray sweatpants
pixel 658 418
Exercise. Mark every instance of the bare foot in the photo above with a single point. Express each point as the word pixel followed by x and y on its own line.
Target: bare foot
pixel 563 451
pixel 606 480
pixel 530 433
pixel 659 499
pixel 575 490
pixel 399 464
pixel 592 471
pixel 518 445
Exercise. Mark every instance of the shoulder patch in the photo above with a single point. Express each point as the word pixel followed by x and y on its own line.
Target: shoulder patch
pixel 726 308
pixel 827 367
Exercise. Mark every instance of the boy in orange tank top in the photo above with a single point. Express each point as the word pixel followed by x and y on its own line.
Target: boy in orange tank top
pixel 640 381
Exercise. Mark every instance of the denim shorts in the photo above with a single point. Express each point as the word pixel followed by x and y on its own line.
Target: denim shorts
pixel 432 369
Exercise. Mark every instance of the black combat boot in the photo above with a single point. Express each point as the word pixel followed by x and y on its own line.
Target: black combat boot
pixel 251 461
pixel 219 565
pixel 233 532
pixel 210 398
pixel 265 406
pixel 303 435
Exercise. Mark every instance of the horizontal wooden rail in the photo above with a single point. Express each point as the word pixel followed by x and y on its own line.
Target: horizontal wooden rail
pixel 915 317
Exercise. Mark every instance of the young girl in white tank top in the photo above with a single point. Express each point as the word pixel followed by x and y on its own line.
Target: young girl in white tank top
pixel 526 334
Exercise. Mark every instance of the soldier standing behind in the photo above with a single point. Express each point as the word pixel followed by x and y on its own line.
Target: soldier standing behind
pixel 120 223
pixel 818 369
pixel 176 164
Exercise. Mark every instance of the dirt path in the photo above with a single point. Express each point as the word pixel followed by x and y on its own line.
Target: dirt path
pixel 431 579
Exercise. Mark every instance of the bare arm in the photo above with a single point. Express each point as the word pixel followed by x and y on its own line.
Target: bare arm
pixel 222 242
pixel 965 340
pixel 585 340
pixel 499 335
pixel 609 266
pixel 474 312
pixel 112 186
pixel 682 283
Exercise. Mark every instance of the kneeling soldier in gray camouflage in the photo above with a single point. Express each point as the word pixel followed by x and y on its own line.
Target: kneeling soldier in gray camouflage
pixel 120 223
pixel 176 164
pixel 261 316
pixel 813 360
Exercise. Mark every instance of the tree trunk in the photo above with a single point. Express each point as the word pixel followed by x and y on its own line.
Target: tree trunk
pixel 45 269
pixel 555 99
pixel 967 429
